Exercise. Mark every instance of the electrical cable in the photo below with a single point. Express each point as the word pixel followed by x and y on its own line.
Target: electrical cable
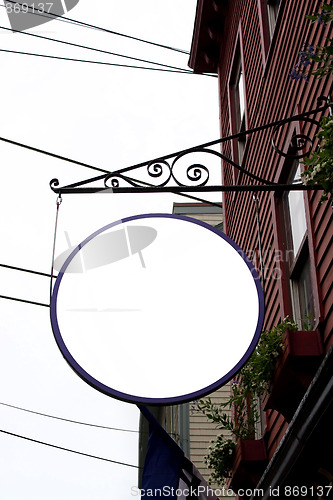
pixel 99 62
pixel 69 420
pixel 24 300
pixel 53 155
pixel 91 26
pixel 46 14
pixel 14 268
pixel 68 449
pixel 86 47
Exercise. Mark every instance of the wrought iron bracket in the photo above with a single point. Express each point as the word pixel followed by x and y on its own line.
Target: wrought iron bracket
pixel 168 174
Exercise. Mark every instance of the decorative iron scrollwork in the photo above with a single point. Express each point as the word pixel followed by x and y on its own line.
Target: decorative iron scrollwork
pixel 300 145
pixel 156 169
pixel 164 172
pixel 54 183
pixel 197 170
pixel 195 173
pixel 175 171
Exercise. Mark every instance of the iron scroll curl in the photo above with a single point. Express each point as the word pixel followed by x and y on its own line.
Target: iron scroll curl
pixel 300 144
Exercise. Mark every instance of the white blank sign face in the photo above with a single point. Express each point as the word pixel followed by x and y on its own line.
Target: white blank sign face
pixel 157 309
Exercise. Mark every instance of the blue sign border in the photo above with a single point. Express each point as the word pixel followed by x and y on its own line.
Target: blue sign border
pixel 144 400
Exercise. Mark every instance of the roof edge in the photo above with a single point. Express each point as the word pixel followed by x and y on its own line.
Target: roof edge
pixel 207 35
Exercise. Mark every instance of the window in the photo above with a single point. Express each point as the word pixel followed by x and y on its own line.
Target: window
pixel 302 294
pixel 297 252
pixel 272 13
pixel 239 92
pixel 237 104
pixel 296 209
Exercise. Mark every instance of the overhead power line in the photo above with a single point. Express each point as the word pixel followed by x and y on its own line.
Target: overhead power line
pixel 68 449
pixel 98 62
pixel 94 49
pixel 53 155
pixel 6 266
pixel 24 301
pixel 68 420
pixel 38 12
pixel 46 14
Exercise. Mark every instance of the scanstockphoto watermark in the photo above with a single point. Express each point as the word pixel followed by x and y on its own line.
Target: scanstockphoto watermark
pixel 26 14
pixel 188 492
pixel 206 491
pixel 24 8
pixel 270 264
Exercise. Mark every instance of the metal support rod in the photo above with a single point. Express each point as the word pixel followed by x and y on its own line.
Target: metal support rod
pixel 191 189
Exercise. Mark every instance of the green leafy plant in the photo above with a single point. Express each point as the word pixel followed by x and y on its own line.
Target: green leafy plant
pixel 220 459
pixel 319 166
pixel 323 55
pixel 252 381
pixel 221 451
pixel 258 372
pixel 308 322
pixel 325 15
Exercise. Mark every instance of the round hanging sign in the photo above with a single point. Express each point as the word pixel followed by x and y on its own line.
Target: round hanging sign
pixel 157 309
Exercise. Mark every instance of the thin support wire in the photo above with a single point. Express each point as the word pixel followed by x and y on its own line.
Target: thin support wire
pixel 58 202
pixel 262 268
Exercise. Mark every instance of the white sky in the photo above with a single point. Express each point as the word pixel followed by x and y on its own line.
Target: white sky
pixel 111 118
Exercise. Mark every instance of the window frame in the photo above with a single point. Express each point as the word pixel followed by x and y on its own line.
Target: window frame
pixel 272 8
pixel 267 34
pixel 237 67
pixel 295 165
pixel 298 258
pixel 302 262
pixel 290 270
